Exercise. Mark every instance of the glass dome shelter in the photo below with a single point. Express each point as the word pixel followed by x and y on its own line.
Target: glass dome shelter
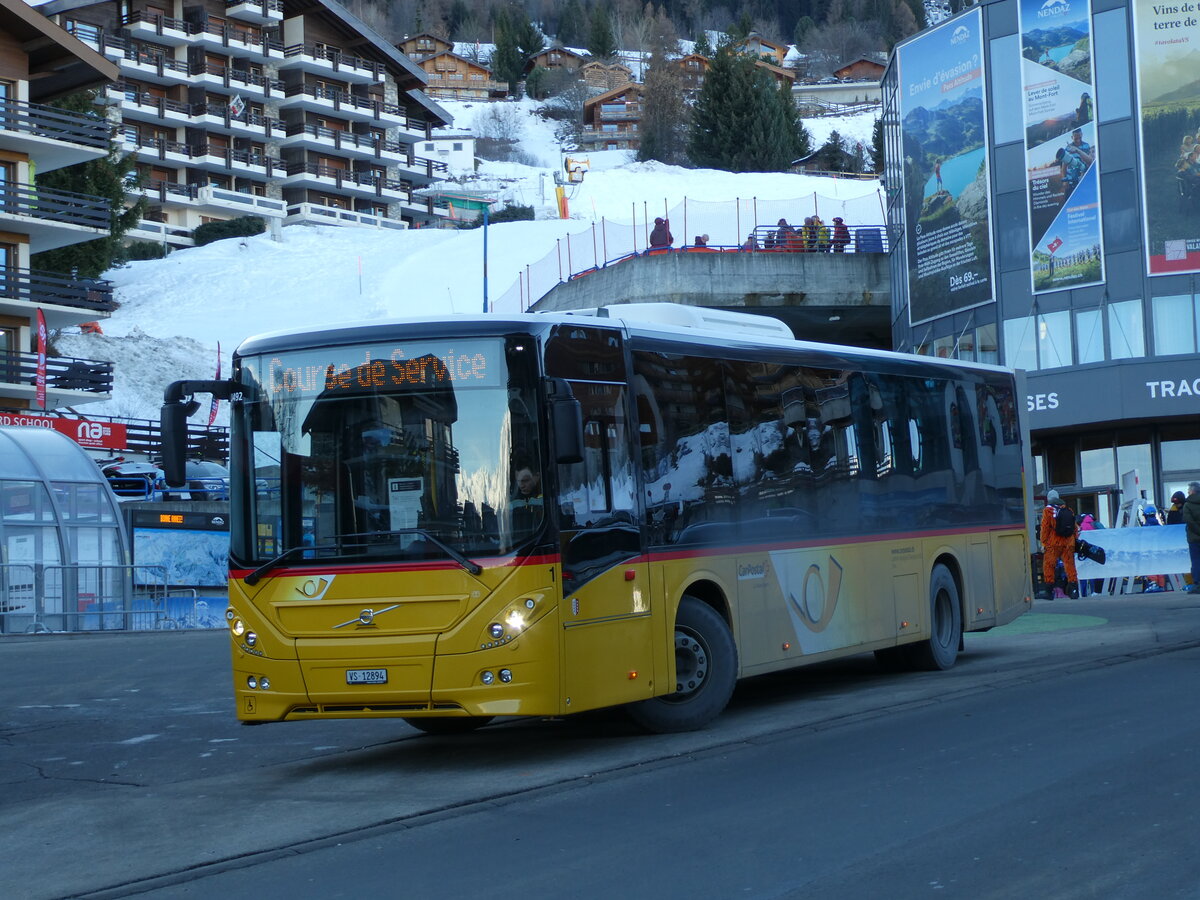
pixel 64 551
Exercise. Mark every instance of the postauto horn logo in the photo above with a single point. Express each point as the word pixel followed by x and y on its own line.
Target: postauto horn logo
pixel 818 600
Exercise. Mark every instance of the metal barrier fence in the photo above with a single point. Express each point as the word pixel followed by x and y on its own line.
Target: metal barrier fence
pixel 37 598
pixel 728 223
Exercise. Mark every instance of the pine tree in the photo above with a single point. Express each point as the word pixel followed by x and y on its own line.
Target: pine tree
pixel 508 62
pixel 601 43
pixel 663 129
pixel 106 177
pixel 877 158
pixel 572 25
pixel 743 120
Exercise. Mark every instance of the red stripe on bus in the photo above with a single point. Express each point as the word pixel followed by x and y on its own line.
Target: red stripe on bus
pixel 375 568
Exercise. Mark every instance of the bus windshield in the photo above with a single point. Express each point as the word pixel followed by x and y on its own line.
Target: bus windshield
pixel 412 450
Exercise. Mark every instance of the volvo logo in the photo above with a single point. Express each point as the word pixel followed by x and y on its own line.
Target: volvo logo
pixel 367 616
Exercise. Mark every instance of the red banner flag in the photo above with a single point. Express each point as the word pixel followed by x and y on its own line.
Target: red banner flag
pixel 212 410
pixel 40 381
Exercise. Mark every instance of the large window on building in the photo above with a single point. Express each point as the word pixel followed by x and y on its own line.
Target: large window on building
pixel 1039 342
pixel 1125 333
pixel 1089 336
pixel 1174 324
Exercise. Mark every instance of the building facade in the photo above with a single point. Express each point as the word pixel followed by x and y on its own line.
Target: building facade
pixel 39 62
pixel 1040 167
pixel 288 110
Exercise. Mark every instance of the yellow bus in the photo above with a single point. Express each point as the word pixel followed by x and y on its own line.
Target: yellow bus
pixel 449 520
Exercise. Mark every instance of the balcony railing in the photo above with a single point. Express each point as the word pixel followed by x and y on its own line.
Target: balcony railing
pixel 48 289
pixel 169 190
pixel 62 373
pixel 335 58
pixel 237 157
pixel 345 100
pixel 61 206
pixel 373 180
pixel 234 77
pixel 160 104
pixel 248 118
pixel 161 64
pixel 268 8
pixel 158 22
pixel 45 121
pixel 231 34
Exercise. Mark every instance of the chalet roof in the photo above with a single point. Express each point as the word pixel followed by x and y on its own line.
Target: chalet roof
pixel 469 62
pixel 564 50
pixel 425 34
pixel 59 63
pixel 631 87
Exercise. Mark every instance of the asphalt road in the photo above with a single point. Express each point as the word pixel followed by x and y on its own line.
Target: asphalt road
pixel 1058 758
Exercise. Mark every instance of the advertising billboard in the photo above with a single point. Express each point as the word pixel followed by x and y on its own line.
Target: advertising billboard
pixel 1166 38
pixel 1061 165
pixel 943 126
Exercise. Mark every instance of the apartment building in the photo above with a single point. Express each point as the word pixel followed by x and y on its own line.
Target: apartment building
pixel 294 111
pixel 39 61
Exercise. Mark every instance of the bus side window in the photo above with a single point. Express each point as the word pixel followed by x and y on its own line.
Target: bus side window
pixel 596 496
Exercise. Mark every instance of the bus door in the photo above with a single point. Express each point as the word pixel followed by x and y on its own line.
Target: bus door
pixel 608 648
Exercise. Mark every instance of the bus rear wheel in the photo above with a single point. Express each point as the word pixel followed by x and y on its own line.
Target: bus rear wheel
pixel 705 673
pixel 945 624
pixel 448 724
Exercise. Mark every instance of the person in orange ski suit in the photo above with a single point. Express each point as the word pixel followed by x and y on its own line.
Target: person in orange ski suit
pixel 1056 546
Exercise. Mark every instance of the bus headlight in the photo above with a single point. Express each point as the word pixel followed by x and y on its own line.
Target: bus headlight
pixel 506 675
pixel 515 620
pixel 496 630
pixel 252 683
pixel 487 677
pixel 264 683
pixel 238 627
pixel 251 638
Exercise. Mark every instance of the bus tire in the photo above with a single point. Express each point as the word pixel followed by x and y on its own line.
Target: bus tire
pixel 448 724
pixel 945 624
pixel 706 671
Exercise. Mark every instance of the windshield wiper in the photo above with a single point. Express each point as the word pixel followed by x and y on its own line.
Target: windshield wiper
pixel 473 567
pixel 254 577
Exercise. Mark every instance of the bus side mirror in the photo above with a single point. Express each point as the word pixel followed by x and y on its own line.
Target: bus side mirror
pixel 173 424
pixel 566 423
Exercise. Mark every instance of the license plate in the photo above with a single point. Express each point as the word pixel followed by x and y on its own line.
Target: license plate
pixel 366 676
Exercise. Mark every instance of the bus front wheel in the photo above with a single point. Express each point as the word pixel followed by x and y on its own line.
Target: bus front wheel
pixel 705 673
pixel 945 624
pixel 448 724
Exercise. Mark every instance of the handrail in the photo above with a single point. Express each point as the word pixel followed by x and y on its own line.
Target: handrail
pixel 61 206
pixel 332 55
pixel 46 288
pixel 145 435
pixel 45 121
pixel 62 373
pixel 231 75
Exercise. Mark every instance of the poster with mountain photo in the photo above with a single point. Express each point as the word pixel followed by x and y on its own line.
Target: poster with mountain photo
pixel 1167 71
pixel 1061 163
pixel 943 127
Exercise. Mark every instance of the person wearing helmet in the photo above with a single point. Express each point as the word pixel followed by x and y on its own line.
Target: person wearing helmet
pixel 1057 533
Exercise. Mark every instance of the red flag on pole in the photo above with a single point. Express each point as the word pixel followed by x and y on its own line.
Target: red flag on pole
pixel 212 410
pixel 41 361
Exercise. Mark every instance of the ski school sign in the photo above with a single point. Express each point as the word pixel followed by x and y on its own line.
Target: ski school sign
pixel 100 435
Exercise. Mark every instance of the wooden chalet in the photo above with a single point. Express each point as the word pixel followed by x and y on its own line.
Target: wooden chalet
pixel 611 120
pixel 421 46
pixel 757 46
pixel 603 76
pixel 556 58
pixel 454 77
pixel 861 69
